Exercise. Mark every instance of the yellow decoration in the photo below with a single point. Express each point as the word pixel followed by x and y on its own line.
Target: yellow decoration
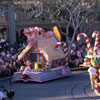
pixel 92 62
pixel 57 33
pixel 36 66
pixel 22 69
pixel 90 53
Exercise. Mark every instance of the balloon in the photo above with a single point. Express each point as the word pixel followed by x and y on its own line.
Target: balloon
pixel 57 33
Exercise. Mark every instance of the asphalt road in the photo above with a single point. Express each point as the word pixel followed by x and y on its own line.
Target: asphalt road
pixel 76 87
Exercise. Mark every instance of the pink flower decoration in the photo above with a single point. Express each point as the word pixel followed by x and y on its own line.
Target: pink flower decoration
pixel 36 29
pixel 30 29
pixel 63 71
pixel 26 30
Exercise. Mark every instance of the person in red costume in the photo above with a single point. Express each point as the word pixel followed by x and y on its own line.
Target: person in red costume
pixel 27 70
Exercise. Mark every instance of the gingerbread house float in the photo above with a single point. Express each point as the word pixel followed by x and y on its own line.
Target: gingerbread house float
pixel 46 54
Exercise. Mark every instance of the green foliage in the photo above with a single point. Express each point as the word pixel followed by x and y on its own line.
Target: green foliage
pixel 97 60
pixel 46 70
pixel 79 69
pixel 78 14
pixel 57 8
pixel 94 60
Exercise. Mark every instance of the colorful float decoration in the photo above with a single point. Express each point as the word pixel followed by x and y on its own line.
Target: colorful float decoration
pixel 45 58
pixel 93 54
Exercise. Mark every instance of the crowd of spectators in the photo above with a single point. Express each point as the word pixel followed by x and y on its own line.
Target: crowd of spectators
pixel 77 54
pixel 9 54
pixel 8 57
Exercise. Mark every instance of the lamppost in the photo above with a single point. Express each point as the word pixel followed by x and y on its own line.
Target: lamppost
pixel 2 93
pixel 10 92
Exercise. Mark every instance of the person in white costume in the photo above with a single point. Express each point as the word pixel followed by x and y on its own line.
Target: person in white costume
pixel 27 70
pixel 92 73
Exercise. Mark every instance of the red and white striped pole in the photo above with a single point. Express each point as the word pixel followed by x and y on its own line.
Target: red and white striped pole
pixel 87 41
pixel 96 35
pixel 65 51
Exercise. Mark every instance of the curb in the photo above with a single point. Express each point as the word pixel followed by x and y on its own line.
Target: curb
pixel 1 79
pixel 72 69
pixel 79 69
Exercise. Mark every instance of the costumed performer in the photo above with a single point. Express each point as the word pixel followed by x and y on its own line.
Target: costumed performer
pixel 92 73
pixel 27 70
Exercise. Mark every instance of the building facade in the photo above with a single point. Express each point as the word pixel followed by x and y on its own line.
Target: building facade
pixel 13 22
pixel 7 21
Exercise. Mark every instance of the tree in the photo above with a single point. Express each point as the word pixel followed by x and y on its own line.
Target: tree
pixel 78 14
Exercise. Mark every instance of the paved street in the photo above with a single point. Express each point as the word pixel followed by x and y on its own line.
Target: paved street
pixel 76 87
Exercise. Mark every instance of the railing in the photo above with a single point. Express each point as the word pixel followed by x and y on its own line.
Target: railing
pixel 24 19
pixel 21 16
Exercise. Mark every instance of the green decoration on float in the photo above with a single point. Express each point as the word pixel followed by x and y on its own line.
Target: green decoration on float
pixel 94 60
pixel 90 53
pixel 99 60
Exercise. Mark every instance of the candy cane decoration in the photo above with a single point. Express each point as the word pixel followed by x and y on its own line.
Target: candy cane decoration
pixel 87 41
pixel 65 51
pixel 95 49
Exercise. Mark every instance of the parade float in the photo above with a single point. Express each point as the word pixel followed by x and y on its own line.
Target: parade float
pixel 93 55
pixel 45 56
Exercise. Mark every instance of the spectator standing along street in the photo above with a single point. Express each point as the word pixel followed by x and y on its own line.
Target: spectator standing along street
pixel 92 73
